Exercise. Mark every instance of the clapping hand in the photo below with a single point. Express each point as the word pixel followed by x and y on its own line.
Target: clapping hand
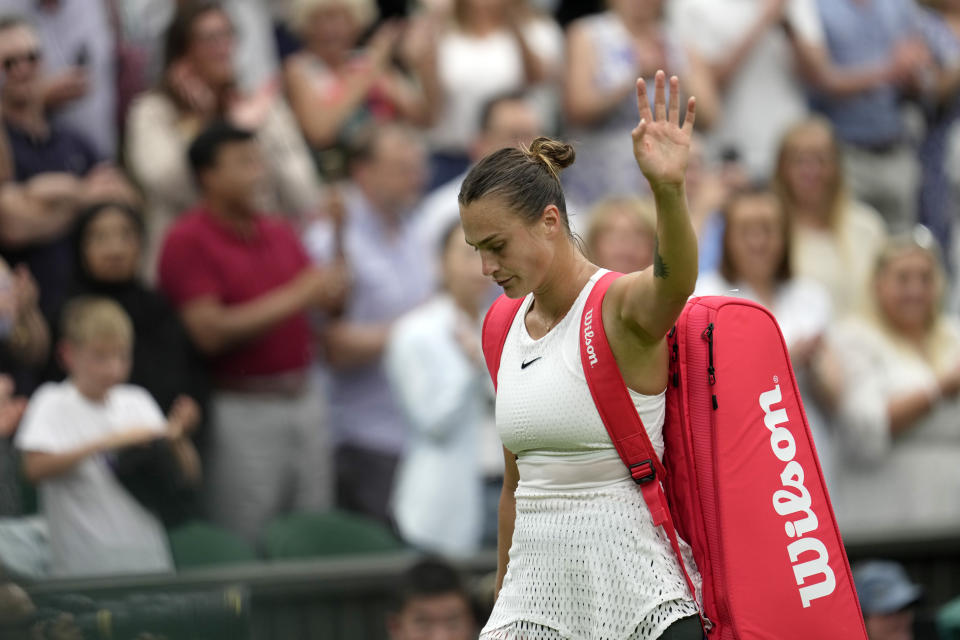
pixel 106 183
pixel 336 209
pixel 325 287
pixel 383 43
pixel 418 46
pixel 65 86
pixel 660 145
pixel 804 350
pixel 775 11
pixel 949 382
pixel 186 83
pixel 909 58
pixel 183 418
pixel 252 111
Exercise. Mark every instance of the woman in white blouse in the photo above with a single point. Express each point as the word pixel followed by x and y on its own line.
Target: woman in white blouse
pixel 899 410
pixel 835 239
pixel 489 48
pixel 435 365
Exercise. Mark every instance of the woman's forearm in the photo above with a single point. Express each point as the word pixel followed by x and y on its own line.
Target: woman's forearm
pixel 321 120
pixel 534 69
pixel 727 67
pixel 903 411
pixel 428 78
pixel 675 253
pixel 584 104
pixel 652 299
pixel 506 516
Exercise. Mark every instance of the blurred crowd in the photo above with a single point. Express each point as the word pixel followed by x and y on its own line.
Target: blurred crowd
pixel 234 286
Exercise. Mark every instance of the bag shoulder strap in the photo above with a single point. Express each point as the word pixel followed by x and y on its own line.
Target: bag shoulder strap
pixel 609 391
pixel 496 326
pixel 620 417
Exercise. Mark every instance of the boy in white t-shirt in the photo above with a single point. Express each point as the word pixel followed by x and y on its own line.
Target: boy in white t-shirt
pixel 71 430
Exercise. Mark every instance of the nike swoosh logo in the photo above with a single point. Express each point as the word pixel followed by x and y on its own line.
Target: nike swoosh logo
pixel 524 365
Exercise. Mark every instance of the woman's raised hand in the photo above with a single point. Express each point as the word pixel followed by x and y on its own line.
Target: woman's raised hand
pixel 660 145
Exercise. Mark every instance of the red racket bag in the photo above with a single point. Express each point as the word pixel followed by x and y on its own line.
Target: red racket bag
pixel 740 480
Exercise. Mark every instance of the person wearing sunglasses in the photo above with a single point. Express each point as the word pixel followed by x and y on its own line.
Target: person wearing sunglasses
pixel 50 157
pixel 81 64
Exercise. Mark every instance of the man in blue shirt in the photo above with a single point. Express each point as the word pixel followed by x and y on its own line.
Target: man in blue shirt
pixel 880 39
pixel 390 274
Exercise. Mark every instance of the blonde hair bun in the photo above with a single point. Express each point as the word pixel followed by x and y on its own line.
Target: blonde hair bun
pixel 554 154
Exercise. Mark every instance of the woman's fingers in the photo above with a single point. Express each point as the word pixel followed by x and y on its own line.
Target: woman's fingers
pixel 661 112
pixel 643 105
pixel 691 116
pixel 659 96
pixel 673 111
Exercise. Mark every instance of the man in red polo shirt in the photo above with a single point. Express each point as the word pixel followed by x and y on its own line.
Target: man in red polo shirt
pixel 243 284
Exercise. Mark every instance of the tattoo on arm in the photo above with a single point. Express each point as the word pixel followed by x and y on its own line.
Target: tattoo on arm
pixel 660 268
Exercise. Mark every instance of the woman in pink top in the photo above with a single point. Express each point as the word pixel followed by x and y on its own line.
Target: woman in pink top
pixel 337 88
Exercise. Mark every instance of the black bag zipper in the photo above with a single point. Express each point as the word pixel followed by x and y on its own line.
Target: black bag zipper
pixel 711 371
pixel 674 356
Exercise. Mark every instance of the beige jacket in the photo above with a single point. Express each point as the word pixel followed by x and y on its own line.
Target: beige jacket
pixel 156 156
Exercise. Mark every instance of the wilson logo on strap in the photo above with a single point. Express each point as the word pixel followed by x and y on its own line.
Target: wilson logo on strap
pixel 588 337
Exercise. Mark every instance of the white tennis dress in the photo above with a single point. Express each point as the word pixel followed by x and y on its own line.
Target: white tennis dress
pixel 586 562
